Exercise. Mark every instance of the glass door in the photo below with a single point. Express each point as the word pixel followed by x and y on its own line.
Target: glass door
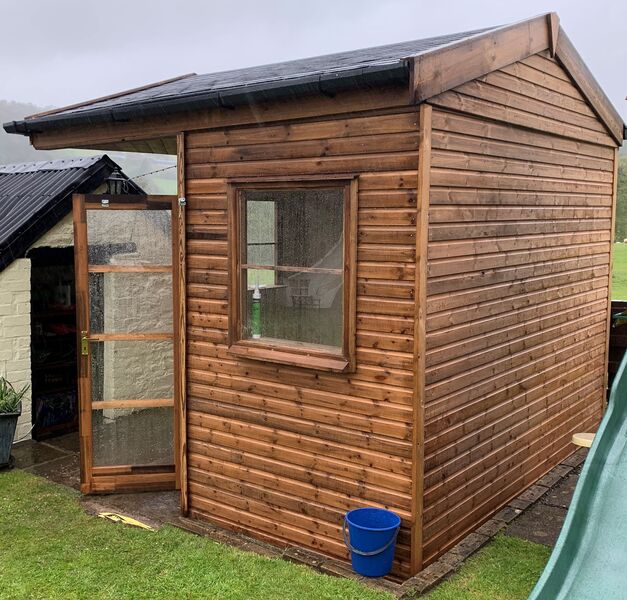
pixel 125 266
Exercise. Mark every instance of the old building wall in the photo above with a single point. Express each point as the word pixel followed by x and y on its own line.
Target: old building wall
pixel 15 355
pixel 59 236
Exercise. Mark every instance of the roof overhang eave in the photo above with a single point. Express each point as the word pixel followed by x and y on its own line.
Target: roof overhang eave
pixel 327 84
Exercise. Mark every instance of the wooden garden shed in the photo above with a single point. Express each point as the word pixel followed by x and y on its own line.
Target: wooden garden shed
pixel 391 279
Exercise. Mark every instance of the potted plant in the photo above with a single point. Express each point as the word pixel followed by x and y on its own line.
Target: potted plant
pixel 10 410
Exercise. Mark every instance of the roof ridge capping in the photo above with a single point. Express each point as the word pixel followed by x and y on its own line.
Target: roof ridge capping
pixel 59 164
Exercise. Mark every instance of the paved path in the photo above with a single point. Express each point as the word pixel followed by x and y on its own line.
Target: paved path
pixel 543 521
pixel 58 461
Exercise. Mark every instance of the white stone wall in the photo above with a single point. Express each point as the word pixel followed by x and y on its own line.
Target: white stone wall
pixel 15 334
pixel 131 370
pixel 15 319
pixel 60 236
pixel 135 303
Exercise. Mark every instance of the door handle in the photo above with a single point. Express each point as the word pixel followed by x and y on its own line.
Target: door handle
pixel 84 344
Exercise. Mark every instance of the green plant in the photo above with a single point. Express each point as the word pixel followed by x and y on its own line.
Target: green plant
pixel 10 399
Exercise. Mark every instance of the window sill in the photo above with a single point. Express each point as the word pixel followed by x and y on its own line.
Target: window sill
pixel 294 357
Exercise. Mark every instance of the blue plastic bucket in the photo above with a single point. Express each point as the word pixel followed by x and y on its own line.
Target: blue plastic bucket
pixel 370 535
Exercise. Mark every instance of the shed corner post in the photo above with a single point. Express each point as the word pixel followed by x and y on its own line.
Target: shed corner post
pixel 180 346
pixel 420 305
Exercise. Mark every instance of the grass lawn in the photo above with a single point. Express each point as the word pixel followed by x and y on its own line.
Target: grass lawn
pixel 506 569
pixel 50 548
pixel 619 272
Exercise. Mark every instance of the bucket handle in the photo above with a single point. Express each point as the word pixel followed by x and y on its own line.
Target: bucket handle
pixel 364 552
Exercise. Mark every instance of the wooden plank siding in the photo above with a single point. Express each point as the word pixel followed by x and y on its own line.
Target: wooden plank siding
pixel 282 452
pixel 517 292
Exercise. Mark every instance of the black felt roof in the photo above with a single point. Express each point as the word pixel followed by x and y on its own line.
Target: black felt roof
pixel 36 196
pixel 357 68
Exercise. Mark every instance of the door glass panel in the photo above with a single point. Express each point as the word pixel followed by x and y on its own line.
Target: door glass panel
pixel 130 302
pixel 136 436
pixel 131 370
pixel 136 373
pixel 129 237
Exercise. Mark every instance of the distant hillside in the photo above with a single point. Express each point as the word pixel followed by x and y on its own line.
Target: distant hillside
pixel 17 149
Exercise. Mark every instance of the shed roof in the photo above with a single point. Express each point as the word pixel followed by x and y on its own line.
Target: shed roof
pixel 355 68
pixel 35 196
pixel 430 66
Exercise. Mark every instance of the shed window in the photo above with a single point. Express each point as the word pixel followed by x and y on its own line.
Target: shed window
pixel 292 273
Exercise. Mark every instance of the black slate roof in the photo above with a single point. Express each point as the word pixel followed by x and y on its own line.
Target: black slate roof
pixel 36 196
pixel 357 68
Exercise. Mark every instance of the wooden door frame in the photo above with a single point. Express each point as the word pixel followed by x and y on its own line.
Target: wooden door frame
pixel 126 478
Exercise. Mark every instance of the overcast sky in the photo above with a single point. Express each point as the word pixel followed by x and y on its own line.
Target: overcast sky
pixel 63 51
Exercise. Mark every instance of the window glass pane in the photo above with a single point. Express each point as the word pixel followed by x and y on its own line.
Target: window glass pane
pixel 260 277
pixel 260 223
pixel 300 307
pixel 129 237
pixel 133 436
pixel 261 254
pixel 300 234
pixel 130 302
pixel 298 228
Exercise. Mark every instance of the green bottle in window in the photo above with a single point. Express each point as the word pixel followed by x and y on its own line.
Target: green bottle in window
pixel 255 323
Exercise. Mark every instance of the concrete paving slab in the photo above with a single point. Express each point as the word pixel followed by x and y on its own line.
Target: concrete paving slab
pixel 543 521
pixel 68 442
pixel 29 453
pixel 541 524
pixel 155 508
pixel 561 495
pixel 63 470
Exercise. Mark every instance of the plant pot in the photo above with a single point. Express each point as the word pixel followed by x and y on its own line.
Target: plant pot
pixel 8 423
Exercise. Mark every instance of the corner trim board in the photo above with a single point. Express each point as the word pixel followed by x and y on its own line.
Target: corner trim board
pixel 180 295
pixel 420 303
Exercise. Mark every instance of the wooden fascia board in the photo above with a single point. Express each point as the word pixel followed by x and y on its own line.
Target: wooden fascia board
pixel 572 62
pixel 439 71
pixel 104 135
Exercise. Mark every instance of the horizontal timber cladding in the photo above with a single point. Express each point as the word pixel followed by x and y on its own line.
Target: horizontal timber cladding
pixel 282 452
pixel 520 225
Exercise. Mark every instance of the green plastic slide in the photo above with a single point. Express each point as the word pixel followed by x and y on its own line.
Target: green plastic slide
pixel 589 560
